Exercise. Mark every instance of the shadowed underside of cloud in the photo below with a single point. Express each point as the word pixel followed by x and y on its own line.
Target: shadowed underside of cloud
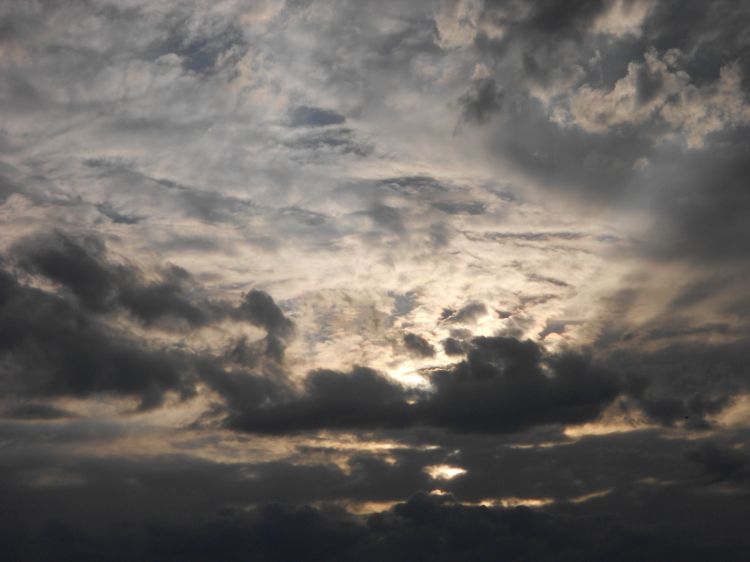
pixel 52 348
pixel 424 528
pixel 63 344
pixel 418 345
pixel 305 116
pixel 504 385
pixel 82 267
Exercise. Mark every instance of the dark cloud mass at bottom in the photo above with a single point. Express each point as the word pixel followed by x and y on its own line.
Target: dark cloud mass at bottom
pixel 424 528
pixel 441 280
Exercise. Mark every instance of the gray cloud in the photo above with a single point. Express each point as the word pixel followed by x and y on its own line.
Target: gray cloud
pixel 62 345
pixel 82 267
pixel 500 387
pixel 418 345
pixel 574 173
pixel 53 349
pixel 467 314
pixel 306 116
pixel 481 101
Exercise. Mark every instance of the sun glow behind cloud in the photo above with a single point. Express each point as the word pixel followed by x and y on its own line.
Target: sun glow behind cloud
pixel 444 471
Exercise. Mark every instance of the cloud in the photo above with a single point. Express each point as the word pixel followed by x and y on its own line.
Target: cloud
pixel 453 346
pixel 501 387
pixel 34 411
pixel 331 400
pixel 658 91
pixel 82 267
pixel 480 102
pixel 259 308
pixel 720 463
pixel 418 345
pixel 467 314
pixel 339 140
pixel 306 116
pixel 292 254
pixel 52 349
pixel 426 527
pixel 63 344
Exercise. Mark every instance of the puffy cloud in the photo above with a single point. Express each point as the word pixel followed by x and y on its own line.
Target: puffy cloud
pixel 658 91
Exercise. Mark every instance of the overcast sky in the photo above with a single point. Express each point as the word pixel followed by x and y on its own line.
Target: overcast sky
pixel 336 280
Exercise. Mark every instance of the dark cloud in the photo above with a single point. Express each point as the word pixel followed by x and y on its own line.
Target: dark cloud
pixel 78 266
pixel 205 51
pixel 481 101
pixel 688 26
pixel 340 140
pixel 547 18
pixel 501 387
pixel 684 383
pixel 306 116
pixel 720 463
pixel 387 217
pixel 709 221
pixel 414 185
pixel 332 400
pixel 453 346
pixel 467 314
pixel 142 123
pixel 545 32
pixel 117 217
pixel 52 348
pixel 81 265
pixel 259 308
pixel 531 236
pixel 425 528
pixel 472 208
pixel 548 280
pixel 583 164
pixel 166 298
pixel 674 62
pixel 62 345
pixel 418 345
pixel 34 411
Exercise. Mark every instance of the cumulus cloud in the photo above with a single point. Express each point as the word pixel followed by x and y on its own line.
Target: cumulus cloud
pixel 657 90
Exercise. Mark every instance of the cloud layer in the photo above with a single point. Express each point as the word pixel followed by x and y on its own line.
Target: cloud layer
pixel 319 280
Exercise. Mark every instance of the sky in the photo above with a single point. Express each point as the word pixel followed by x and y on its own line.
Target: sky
pixel 334 280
